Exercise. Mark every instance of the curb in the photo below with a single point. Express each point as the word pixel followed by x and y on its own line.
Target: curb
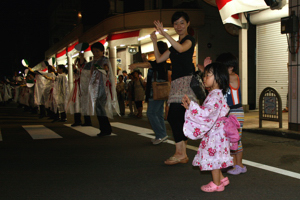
pixel 275 132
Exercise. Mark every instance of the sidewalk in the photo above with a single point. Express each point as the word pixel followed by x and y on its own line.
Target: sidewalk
pixel 251 124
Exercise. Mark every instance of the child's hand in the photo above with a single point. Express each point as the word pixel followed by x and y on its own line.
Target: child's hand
pixel 200 67
pixel 207 61
pixel 186 102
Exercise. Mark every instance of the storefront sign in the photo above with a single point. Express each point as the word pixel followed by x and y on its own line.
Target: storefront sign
pixel 133 50
pixel 270 105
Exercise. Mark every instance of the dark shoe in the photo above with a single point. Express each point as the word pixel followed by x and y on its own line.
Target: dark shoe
pixel 103 134
pixel 85 124
pixel 34 112
pixel 76 124
pixel 55 120
pixel 159 140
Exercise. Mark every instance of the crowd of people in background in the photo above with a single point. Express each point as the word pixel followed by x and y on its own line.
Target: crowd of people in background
pixel 97 91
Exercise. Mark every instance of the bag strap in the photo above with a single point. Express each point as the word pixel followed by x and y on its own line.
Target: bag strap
pixel 154 75
pixel 141 83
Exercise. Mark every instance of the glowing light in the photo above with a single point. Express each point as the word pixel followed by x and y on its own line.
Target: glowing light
pixel 148 36
pixel 75 55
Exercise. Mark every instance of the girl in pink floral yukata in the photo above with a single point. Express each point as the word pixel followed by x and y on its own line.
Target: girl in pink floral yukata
pixel 203 122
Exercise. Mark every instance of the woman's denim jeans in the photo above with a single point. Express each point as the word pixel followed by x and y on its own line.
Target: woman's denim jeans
pixel 155 114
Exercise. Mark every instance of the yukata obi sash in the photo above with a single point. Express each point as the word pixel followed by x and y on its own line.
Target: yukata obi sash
pixel 231 126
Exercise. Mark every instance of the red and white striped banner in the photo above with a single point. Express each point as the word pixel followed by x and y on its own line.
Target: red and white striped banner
pixel 229 9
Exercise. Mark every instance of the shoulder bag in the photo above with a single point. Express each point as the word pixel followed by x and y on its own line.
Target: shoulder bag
pixel 161 90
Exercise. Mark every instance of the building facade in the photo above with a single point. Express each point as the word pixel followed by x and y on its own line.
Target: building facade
pixel 127 27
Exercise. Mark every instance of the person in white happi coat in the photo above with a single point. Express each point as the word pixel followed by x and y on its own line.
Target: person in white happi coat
pixel 48 93
pixel 27 94
pixel 74 103
pixel 7 90
pixel 60 93
pixel 98 93
pixel 17 80
pixel 39 88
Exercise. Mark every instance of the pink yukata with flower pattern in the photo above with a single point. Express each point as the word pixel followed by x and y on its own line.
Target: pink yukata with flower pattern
pixel 201 122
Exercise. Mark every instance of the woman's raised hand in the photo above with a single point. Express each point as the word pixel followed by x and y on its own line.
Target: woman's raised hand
pixel 131 67
pixel 153 37
pixel 159 27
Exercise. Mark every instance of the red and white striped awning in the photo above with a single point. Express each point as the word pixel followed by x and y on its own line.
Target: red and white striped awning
pixel 229 9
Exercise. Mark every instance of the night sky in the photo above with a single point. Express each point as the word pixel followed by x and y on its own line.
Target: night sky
pixel 25 26
pixel 24 34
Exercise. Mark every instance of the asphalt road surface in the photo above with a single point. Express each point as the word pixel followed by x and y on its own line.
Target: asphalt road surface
pixel 44 160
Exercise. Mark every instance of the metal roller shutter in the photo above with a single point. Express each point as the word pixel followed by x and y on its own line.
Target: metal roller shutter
pixel 271 60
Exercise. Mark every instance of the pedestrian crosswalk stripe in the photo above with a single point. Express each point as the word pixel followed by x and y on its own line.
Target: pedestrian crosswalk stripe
pixel 145 133
pixel 132 128
pixel 40 132
pixel 88 130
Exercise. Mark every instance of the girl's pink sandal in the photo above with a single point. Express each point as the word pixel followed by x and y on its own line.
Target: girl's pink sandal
pixel 211 187
pixel 225 181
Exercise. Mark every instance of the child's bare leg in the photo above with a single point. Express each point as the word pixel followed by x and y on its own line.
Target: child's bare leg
pixel 239 157
pixel 234 159
pixel 216 175
pixel 221 175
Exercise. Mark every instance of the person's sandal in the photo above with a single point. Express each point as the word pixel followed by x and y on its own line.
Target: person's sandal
pixel 211 187
pixel 173 160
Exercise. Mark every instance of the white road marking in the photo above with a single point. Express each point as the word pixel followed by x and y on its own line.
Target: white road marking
pixel 88 130
pixel 40 132
pixel 136 129
pixel 147 133
pixel 272 169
